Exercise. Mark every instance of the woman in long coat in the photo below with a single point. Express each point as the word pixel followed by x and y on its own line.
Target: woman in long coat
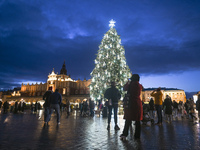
pixel 168 108
pixel 134 112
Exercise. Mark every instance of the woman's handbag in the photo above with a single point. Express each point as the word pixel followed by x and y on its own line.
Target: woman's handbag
pixel 126 100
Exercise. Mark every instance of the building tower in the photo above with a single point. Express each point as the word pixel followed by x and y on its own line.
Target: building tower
pixel 63 69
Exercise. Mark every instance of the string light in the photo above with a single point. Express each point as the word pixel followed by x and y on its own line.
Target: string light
pixel 110 64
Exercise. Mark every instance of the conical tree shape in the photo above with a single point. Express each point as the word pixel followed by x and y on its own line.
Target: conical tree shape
pixel 110 65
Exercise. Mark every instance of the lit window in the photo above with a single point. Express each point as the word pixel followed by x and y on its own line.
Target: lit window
pixel 64 91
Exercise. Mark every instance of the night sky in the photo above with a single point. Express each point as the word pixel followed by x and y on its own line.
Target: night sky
pixel 161 39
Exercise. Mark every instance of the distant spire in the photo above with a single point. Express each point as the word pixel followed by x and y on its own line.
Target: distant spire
pixel 63 70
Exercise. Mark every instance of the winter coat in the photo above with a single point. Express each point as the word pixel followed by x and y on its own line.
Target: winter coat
pixel 198 105
pixel 91 104
pixel 46 97
pixel 135 111
pixel 191 106
pixel 55 98
pixel 6 105
pixel 168 106
pixel 113 94
pixel 158 97
pixel 151 104
pixel 175 104
pixel 0 104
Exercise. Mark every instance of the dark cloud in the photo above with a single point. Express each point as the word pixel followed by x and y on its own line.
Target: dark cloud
pixel 159 37
pixel 153 59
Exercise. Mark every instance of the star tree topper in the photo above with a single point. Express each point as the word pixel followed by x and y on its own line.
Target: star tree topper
pixel 112 23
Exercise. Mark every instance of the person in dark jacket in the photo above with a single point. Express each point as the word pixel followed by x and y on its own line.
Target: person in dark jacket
pixel 0 104
pixel 191 110
pixel 16 107
pixel 5 107
pixel 168 108
pixel 135 111
pixel 186 105
pixel 91 106
pixel 36 107
pixel 67 107
pixel 23 106
pixel 46 105
pixel 55 102
pixel 175 109
pixel 198 106
pixel 113 95
pixel 152 108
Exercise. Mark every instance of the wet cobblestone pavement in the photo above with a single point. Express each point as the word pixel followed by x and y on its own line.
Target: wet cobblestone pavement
pixel 25 131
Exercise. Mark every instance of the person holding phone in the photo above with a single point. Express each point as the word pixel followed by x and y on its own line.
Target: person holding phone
pixel 157 94
pixel 134 112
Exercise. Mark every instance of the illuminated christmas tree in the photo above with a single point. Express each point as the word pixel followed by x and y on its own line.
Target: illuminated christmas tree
pixel 110 65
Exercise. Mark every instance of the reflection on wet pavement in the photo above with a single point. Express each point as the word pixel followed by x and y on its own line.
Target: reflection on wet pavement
pixel 25 131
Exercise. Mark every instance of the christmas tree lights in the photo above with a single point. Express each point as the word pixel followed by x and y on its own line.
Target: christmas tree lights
pixel 110 65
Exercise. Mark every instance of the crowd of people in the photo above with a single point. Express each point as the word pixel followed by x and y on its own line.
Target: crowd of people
pixel 173 110
pixel 135 110
pixel 157 110
pixel 87 108
pixel 17 107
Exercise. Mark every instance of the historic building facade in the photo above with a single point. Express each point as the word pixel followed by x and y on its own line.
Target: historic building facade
pixel 73 90
pixel 175 94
